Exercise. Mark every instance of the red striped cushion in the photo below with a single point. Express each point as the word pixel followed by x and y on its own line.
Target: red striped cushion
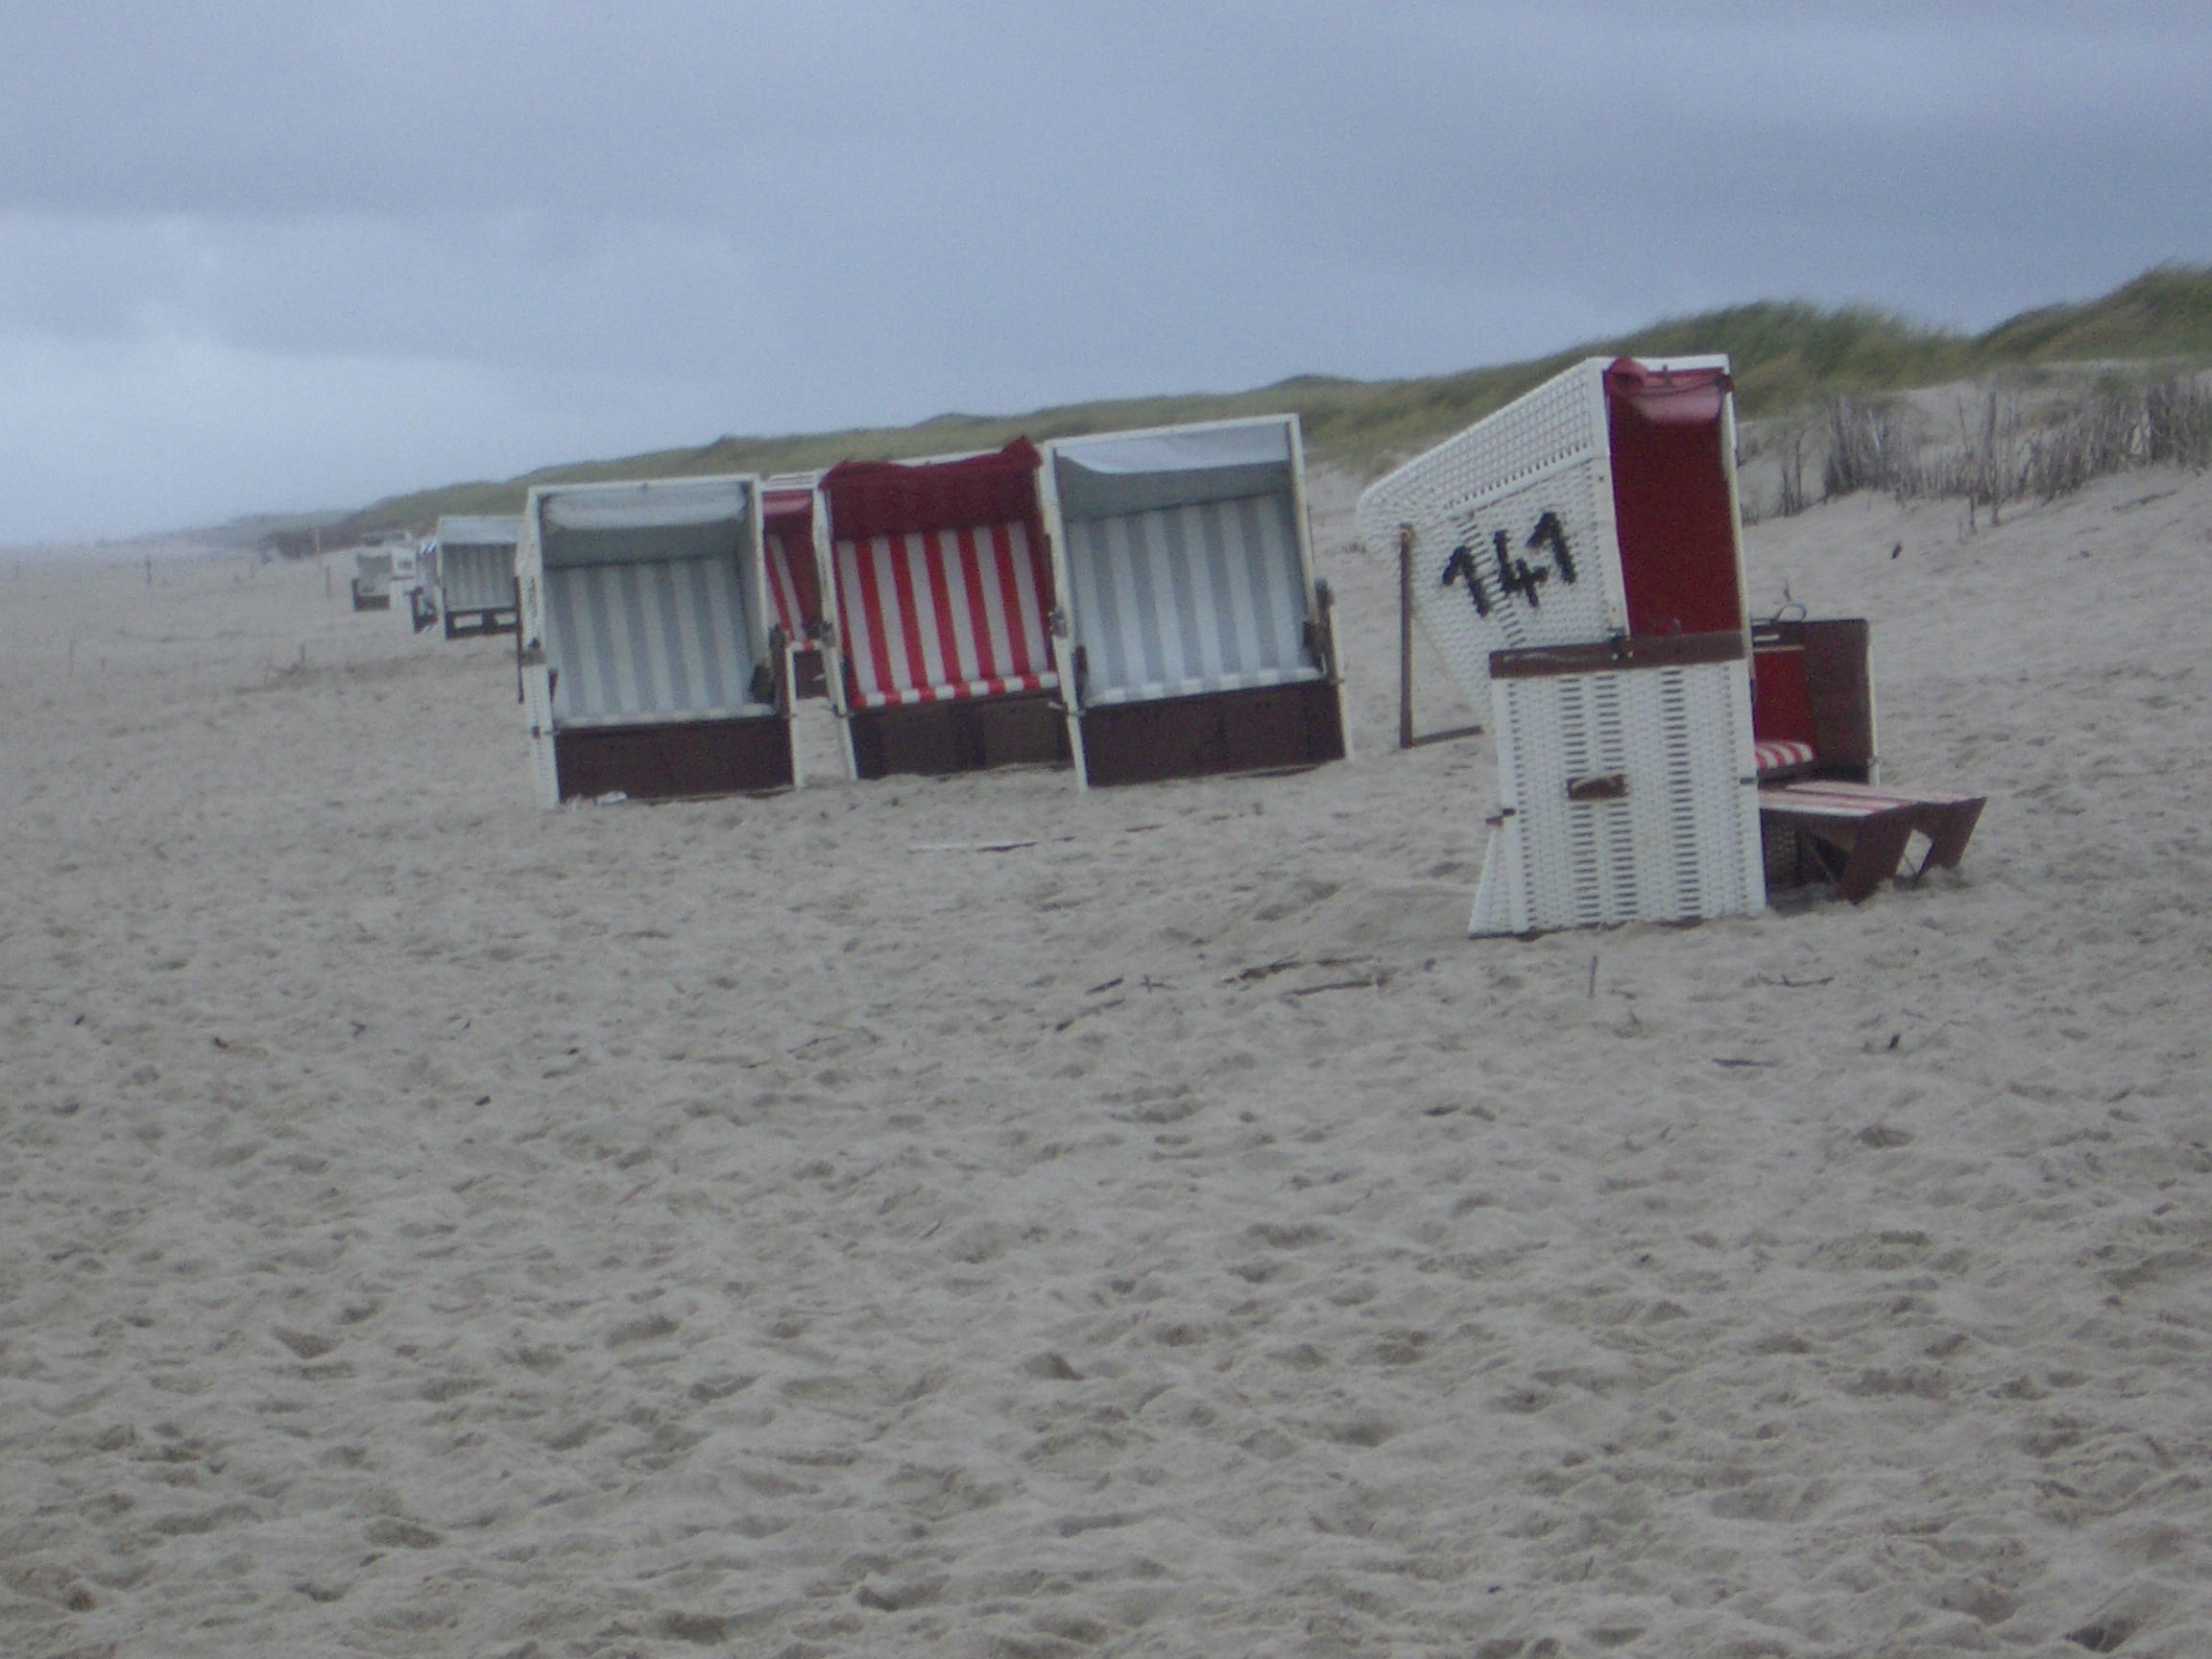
pixel 929 616
pixel 784 584
pixel 1781 755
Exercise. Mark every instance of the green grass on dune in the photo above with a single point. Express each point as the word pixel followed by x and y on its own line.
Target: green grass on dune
pixel 1785 354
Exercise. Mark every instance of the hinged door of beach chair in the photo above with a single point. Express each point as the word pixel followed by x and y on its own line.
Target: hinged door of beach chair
pixel 1625 786
pixel 473 577
pixel 794 566
pixel 652 668
pixel 1201 640
pixel 943 596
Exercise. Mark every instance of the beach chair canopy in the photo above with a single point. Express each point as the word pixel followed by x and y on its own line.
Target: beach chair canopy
pixel 943 577
pixel 651 599
pixel 1601 503
pixel 474 561
pixel 1186 570
pixel 1674 498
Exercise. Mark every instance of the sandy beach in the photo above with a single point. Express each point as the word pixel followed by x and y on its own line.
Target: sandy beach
pixel 976 1218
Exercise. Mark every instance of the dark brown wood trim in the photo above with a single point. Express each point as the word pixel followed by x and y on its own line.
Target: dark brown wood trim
pixel 1262 728
pixel 1605 656
pixel 969 734
pixel 661 763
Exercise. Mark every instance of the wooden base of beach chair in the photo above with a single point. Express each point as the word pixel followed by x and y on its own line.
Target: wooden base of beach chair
pixel 935 739
pixel 479 624
pixel 662 762
pixel 371 601
pixel 1256 729
pixel 1868 828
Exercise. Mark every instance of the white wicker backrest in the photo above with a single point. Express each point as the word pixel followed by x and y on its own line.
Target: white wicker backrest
pixel 1512 527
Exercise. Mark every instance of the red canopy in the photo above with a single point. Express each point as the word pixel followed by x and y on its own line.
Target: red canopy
pixel 1674 514
pixel 889 497
pixel 1668 396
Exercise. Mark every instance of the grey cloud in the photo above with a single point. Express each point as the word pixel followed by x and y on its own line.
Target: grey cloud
pixel 604 228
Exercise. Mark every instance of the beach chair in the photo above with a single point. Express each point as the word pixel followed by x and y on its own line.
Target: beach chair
pixel 794 567
pixel 422 594
pixel 1201 640
pixel 651 665
pixel 372 579
pixel 1582 572
pixel 472 574
pixel 944 595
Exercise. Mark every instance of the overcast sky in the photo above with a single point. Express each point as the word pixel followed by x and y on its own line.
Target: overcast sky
pixel 301 254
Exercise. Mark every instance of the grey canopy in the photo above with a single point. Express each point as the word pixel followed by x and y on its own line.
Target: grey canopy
pixel 1105 477
pixel 478 531
pixel 643 523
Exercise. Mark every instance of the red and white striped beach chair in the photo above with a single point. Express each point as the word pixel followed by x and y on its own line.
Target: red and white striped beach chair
pixel 945 606
pixel 794 576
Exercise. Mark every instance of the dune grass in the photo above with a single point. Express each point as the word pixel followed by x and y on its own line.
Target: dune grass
pixel 1787 355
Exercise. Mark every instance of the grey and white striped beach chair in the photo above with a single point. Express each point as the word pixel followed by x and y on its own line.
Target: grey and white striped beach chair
pixel 1201 640
pixel 472 575
pixel 651 665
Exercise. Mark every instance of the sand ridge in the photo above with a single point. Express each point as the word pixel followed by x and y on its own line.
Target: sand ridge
pixel 437 1226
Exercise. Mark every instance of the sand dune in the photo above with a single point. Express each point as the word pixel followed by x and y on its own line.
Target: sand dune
pixel 433 1226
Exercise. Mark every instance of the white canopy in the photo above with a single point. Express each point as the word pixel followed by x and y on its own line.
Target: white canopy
pixel 1138 472
pixel 642 523
pixel 469 530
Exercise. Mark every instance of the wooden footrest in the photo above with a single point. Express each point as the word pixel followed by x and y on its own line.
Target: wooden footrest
pixel 1871 826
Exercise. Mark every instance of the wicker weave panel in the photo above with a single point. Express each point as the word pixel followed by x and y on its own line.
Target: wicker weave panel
pixel 1681 839
pixel 1536 474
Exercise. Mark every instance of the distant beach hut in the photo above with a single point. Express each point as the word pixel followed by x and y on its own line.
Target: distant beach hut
pixel 372 579
pixel 652 663
pixel 943 594
pixel 472 574
pixel 1202 642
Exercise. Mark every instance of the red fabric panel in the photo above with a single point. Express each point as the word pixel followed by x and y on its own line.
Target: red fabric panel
pixel 1671 510
pixel 1027 642
pixel 882 497
pixel 942 614
pixel 791 511
pixel 787 527
pixel 974 550
pixel 1781 703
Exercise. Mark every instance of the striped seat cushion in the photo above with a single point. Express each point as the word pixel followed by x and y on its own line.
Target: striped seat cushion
pixel 928 617
pixel 1781 755
pixel 646 642
pixel 1178 601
